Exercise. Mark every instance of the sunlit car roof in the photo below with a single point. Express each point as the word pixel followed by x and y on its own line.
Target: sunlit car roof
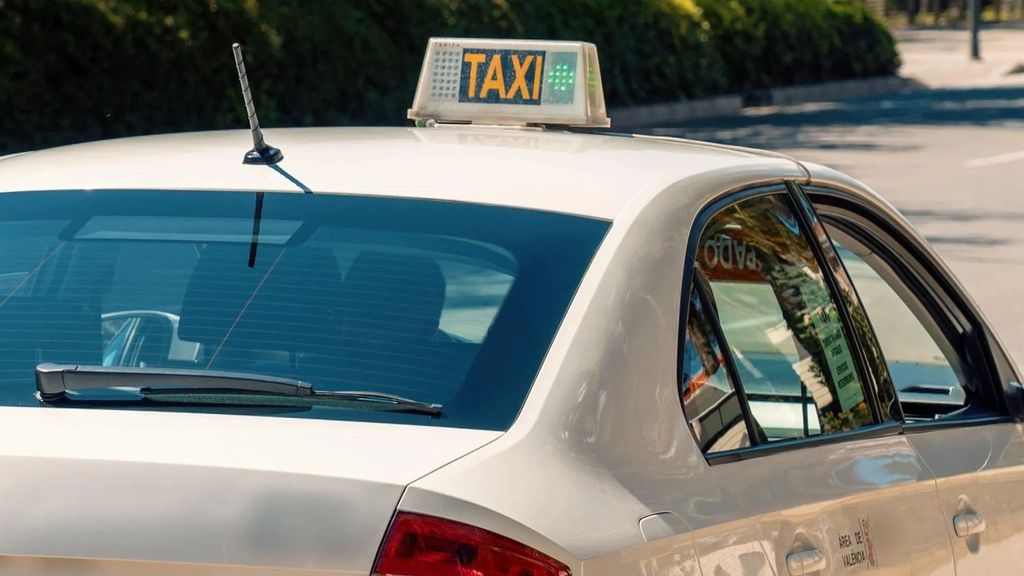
pixel 585 174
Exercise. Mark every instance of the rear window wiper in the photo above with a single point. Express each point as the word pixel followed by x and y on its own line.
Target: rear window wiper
pixel 210 387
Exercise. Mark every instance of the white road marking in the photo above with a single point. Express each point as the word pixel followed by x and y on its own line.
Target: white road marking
pixel 993 160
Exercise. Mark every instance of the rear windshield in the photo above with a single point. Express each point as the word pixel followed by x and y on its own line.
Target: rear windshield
pixel 438 302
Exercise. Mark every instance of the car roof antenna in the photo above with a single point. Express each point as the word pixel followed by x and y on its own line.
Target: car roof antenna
pixel 261 153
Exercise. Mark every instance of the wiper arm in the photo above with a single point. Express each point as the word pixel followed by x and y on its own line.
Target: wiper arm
pixel 53 380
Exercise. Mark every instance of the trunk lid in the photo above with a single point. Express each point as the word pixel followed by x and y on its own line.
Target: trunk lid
pixel 94 486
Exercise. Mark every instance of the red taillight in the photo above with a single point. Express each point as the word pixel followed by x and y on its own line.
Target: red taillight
pixel 417 545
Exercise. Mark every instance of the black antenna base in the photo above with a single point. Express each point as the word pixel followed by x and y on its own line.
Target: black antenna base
pixel 269 155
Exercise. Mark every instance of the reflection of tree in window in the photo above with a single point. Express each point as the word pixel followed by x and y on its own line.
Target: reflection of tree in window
pixel 781 321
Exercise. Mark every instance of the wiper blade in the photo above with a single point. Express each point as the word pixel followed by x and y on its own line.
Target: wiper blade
pixel 54 380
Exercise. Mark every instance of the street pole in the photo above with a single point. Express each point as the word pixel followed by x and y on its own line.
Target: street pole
pixel 975 16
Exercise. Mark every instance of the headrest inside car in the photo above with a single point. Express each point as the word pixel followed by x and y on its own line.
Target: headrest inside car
pixel 389 296
pixel 287 301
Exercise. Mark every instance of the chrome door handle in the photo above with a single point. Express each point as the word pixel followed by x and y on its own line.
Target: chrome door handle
pixel 805 562
pixel 968 523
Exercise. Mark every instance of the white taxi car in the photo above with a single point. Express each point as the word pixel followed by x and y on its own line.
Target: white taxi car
pixel 499 344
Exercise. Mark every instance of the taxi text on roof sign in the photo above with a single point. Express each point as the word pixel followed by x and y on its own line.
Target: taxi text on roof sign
pixel 515 82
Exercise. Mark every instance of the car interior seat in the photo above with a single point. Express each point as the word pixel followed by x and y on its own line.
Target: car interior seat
pixel 264 319
pixel 392 304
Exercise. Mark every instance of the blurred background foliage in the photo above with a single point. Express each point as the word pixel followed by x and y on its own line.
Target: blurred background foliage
pixel 74 70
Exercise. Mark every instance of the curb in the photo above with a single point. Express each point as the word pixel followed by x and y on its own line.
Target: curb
pixel 650 115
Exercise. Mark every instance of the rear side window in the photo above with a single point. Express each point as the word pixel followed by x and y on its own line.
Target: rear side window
pixel 709 396
pixel 438 302
pixel 780 322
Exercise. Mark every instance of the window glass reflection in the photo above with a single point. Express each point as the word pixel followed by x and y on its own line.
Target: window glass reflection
pixel 709 399
pixel 928 375
pixel 781 322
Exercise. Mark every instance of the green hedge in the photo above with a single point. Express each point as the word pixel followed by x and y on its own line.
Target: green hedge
pixel 73 70
pixel 785 42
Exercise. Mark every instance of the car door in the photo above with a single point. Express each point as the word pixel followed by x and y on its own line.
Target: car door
pixel 955 385
pixel 790 412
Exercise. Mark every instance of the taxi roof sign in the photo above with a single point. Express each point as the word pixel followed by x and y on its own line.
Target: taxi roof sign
pixel 516 82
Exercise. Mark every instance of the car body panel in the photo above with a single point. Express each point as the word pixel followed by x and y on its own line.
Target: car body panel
pixel 205 489
pixel 37 566
pixel 866 504
pixel 673 556
pixel 980 470
pixel 549 169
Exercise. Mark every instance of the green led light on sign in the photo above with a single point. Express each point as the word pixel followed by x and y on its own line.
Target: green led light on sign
pixel 562 78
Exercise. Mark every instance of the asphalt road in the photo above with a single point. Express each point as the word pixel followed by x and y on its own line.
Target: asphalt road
pixel 952 160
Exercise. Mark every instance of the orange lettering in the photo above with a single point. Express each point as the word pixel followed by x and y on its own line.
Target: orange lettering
pixel 474 61
pixel 494 79
pixel 519 82
pixel 538 67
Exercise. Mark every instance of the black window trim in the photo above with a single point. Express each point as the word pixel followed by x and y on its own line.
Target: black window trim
pixel 869 380
pixel 947 423
pixel 689 288
pixel 979 349
pixel 878 429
